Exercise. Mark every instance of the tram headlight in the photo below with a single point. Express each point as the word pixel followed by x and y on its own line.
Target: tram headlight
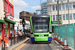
pixel 50 34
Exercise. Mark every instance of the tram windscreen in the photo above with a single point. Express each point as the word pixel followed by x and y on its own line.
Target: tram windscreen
pixel 41 25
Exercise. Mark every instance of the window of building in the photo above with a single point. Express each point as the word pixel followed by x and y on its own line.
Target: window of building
pixel 63 16
pixel 70 16
pixel 70 5
pixel 56 7
pixel 27 13
pixel 53 8
pixel 55 0
pixel 49 0
pixel 63 6
pixel 56 17
pixel 60 7
pixel 60 18
pixel 5 6
pixel 10 9
pixel 67 16
pixel 73 5
pixel 53 17
pixel 73 16
pixel 67 6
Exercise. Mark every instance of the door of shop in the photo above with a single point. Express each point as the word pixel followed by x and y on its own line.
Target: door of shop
pixel 0 33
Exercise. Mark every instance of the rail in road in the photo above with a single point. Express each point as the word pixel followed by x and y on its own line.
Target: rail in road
pixel 38 46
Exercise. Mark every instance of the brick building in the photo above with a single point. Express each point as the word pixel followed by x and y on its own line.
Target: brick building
pixel 26 15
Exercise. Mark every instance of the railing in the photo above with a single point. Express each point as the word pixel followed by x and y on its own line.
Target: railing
pixel 67 31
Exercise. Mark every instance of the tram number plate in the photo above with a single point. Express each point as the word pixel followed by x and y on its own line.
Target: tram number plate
pixel 41 35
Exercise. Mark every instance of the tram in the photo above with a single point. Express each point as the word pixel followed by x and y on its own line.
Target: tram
pixel 40 26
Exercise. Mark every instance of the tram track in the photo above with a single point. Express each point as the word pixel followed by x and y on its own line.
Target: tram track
pixel 41 47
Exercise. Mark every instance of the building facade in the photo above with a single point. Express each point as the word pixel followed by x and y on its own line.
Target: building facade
pixel 44 8
pixel 26 15
pixel 6 19
pixel 63 10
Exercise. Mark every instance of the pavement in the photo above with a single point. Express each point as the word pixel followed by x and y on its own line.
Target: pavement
pixel 16 45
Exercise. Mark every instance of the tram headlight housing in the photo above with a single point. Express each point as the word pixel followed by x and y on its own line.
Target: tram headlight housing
pixel 50 34
pixel 32 35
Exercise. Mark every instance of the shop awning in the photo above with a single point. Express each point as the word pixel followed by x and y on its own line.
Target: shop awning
pixel 2 21
pixel 8 20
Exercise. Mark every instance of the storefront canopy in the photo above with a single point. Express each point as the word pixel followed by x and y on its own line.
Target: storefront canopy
pixel 8 20
pixel 2 21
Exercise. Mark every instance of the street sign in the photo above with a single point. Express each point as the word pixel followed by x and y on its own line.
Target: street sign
pixel 56 22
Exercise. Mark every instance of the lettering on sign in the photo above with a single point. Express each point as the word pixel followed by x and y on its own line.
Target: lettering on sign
pixel 11 18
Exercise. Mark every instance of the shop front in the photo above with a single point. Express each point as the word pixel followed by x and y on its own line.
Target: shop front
pixel 1 30
pixel 9 28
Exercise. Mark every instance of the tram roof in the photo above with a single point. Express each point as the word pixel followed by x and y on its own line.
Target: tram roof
pixel 41 16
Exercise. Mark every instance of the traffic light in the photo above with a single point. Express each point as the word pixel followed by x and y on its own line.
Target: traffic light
pixel 23 22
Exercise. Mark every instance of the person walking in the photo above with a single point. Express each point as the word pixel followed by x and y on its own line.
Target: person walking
pixel 19 34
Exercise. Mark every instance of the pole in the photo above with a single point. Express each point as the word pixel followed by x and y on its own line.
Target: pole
pixel 58 14
pixel 68 13
pixel 58 11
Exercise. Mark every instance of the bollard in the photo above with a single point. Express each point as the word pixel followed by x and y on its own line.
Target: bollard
pixel 4 46
pixel 59 38
pixel 14 39
pixel 61 41
pixel 65 45
pixel 2 42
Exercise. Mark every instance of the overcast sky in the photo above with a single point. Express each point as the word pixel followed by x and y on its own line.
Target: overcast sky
pixel 26 5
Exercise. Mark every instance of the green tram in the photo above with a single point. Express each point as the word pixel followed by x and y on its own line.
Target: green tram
pixel 40 27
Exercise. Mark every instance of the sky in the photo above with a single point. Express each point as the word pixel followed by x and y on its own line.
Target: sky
pixel 26 5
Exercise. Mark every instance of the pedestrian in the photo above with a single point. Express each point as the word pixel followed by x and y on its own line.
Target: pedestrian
pixel 19 34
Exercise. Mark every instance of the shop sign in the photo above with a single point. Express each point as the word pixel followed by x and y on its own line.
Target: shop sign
pixel 7 15
pixel 56 22
pixel 11 18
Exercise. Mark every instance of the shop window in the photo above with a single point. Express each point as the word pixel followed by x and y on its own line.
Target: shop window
pixel 6 29
pixel 5 6
pixel 0 31
pixel 11 30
